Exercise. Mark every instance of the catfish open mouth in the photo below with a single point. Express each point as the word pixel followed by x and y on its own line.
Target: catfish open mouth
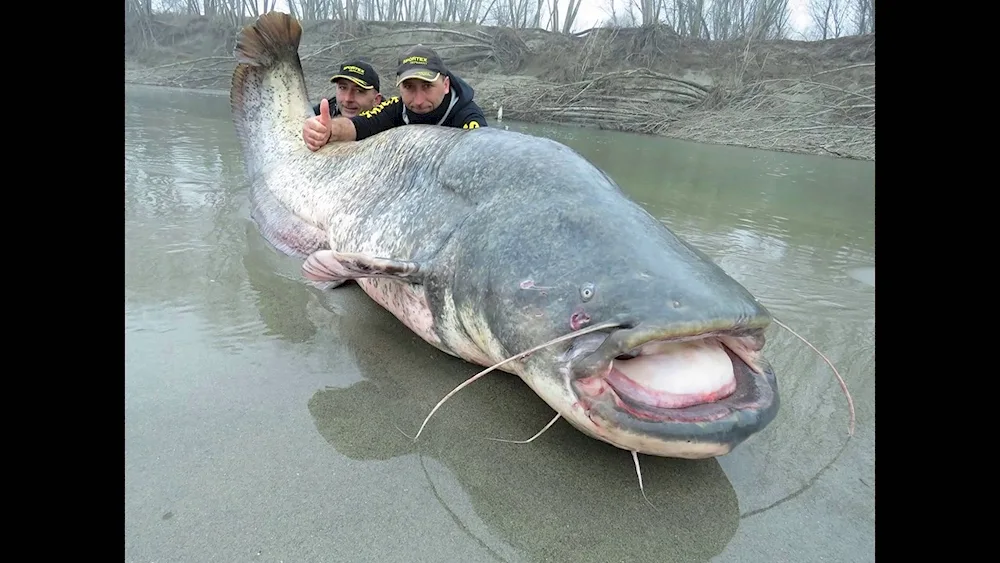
pixel 696 378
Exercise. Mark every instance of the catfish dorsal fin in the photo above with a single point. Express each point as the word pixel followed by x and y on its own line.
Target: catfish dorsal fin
pixel 330 265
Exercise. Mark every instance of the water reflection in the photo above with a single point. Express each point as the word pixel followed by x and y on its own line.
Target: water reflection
pixel 279 293
pixel 564 496
pixel 525 494
pixel 798 232
pixel 864 274
pixel 184 202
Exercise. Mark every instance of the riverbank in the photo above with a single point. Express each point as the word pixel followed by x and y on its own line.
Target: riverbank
pixel 794 96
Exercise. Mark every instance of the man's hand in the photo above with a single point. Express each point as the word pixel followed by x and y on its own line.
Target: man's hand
pixel 316 131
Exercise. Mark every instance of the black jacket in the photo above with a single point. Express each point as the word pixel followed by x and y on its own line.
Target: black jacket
pixel 334 109
pixel 458 109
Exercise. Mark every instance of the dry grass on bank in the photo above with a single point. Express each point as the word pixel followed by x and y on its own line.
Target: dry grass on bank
pixel 816 97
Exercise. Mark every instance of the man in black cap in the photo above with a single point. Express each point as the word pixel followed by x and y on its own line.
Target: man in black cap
pixel 357 91
pixel 429 94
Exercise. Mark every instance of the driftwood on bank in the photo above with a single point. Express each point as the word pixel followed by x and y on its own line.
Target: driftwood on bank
pixel 561 78
pixel 656 100
pixel 805 115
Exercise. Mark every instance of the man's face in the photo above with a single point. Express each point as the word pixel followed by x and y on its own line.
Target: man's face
pixel 353 99
pixel 421 96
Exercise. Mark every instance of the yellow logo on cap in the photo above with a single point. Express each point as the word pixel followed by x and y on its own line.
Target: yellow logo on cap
pixel 471 125
pixel 414 60
pixel 351 68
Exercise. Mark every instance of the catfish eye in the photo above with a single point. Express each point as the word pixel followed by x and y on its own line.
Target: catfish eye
pixel 587 291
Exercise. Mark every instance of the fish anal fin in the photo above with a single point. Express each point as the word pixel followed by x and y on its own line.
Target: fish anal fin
pixel 332 266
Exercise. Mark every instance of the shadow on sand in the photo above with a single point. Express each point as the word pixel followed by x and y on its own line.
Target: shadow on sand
pixel 564 496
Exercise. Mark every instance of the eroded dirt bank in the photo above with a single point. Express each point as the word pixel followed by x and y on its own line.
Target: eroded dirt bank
pixel 796 96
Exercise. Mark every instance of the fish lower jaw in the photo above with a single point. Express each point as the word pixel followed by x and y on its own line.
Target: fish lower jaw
pixel 668 408
pixel 629 395
pixel 601 413
pixel 576 410
pixel 690 401
pixel 668 380
pixel 681 448
pixel 703 409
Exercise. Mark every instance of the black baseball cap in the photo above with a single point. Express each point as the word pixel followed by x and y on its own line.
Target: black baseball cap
pixel 360 73
pixel 419 62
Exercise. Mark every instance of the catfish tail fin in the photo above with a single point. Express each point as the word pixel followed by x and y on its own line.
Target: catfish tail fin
pixel 274 37
pixel 267 96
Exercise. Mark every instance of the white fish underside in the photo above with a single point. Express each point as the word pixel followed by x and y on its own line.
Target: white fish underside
pixel 354 201
pixel 396 204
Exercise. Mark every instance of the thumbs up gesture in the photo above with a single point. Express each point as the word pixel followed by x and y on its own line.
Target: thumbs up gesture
pixel 316 130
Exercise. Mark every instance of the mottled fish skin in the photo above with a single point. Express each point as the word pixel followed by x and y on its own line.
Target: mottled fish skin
pixel 488 242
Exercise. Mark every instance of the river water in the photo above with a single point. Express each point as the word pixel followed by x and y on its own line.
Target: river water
pixel 264 420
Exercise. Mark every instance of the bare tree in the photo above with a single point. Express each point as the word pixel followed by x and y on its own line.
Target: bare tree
pixel 705 19
pixel 569 18
pixel 864 16
pixel 828 17
pixel 745 20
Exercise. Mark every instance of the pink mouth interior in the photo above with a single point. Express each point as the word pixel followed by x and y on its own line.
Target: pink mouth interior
pixel 675 375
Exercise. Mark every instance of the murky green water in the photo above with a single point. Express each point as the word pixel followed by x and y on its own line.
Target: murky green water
pixel 263 420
